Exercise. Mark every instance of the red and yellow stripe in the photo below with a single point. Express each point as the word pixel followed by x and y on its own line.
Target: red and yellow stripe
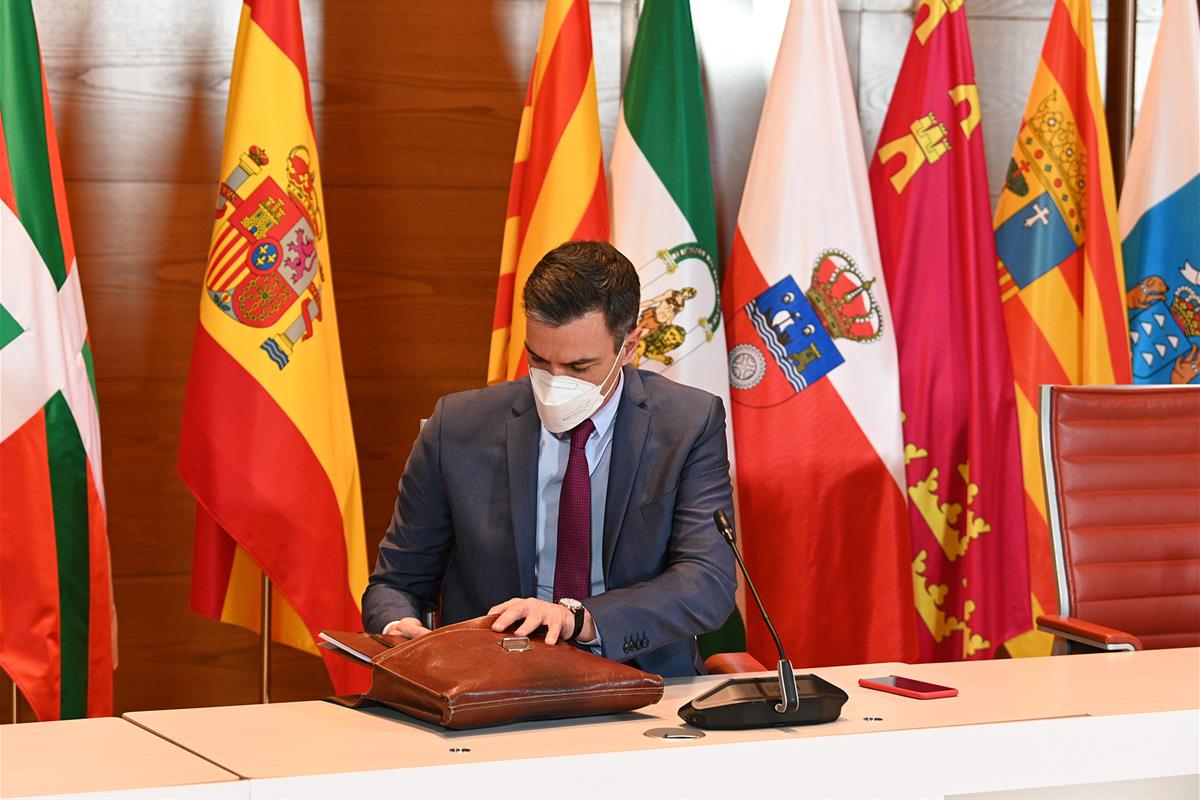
pixel 1068 326
pixel 558 191
pixel 267 451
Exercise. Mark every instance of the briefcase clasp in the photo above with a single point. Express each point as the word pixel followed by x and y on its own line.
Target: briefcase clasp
pixel 516 644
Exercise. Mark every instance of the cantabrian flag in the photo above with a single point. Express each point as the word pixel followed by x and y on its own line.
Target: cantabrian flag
pixel 664 218
pixel 557 191
pixel 813 374
pixel 1062 283
pixel 267 448
pixel 57 624
pixel 1160 208
pixel 932 211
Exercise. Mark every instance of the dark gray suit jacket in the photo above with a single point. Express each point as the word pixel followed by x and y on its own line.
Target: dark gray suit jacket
pixel 465 517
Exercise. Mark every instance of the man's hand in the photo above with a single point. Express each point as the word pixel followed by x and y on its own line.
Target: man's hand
pixel 559 622
pixel 409 628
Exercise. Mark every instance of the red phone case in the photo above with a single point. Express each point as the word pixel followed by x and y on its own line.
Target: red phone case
pixel 870 683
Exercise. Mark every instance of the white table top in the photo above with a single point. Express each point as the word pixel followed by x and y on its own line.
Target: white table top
pixel 97 755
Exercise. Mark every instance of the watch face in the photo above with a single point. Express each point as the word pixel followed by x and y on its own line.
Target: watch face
pixel 572 605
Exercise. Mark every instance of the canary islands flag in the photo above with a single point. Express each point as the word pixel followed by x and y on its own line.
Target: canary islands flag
pixel 1160 209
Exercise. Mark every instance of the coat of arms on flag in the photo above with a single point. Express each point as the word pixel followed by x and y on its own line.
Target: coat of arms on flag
pixel 677 277
pixel 264 254
pixel 798 330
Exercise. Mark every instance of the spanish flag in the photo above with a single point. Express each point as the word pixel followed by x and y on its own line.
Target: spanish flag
pixel 1062 282
pixel 57 624
pixel 267 447
pixel 557 191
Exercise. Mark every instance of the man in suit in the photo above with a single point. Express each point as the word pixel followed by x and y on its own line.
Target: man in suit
pixel 579 498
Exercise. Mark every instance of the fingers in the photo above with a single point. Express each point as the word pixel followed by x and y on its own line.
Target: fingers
pixel 533 614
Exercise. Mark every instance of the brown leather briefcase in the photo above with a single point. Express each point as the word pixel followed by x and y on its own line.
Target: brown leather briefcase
pixel 468 676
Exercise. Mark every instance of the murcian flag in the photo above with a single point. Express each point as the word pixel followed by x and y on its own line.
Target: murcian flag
pixel 57 624
pixel 813 373
pixel 557 191
pixel 267 447
pixel 1062 285
pixel 1160 208
pixel 966 512
pixel 664 218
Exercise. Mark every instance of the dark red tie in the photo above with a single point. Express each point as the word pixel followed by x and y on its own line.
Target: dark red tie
pixel 573 562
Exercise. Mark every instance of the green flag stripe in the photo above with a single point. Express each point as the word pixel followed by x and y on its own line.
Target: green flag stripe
pixel 69 496
pixel 664 111
pixel 91 371
pixel 9 327
pixel 25 133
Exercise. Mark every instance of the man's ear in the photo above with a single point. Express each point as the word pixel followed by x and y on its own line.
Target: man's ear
pixel 630 344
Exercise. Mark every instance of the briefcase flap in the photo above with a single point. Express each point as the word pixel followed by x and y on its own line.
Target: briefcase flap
pixel 468 676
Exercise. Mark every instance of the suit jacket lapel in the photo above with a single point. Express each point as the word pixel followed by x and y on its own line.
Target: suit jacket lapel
pixel 629 439
pixel 522 434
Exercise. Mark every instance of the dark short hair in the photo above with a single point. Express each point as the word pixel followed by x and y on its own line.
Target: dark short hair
pixel 577 278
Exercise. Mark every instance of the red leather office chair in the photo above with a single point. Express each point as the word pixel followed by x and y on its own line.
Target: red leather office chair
pixel 1122 473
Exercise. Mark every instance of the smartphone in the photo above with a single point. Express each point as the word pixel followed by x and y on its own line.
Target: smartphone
pixel 908 687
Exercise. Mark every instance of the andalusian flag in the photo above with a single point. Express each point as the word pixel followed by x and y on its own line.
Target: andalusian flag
pixel 1160 209
pixel 963 457
pixel 1061 279
pixel 664 218
pixel 557 191
pixel 267 447
pixel 56 613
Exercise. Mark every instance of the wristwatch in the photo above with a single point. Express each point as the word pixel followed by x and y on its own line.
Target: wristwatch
pixel 576 608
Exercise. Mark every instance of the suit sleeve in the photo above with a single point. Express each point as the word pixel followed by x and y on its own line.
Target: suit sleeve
pixel 415 549
pixel 695 592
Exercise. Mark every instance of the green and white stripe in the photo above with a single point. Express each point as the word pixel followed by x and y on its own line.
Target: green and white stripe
pixel 664 217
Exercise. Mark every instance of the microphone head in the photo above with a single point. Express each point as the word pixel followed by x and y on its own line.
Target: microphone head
pixel 723 524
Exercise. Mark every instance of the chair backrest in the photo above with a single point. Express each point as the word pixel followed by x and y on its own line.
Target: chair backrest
pixel 1122 470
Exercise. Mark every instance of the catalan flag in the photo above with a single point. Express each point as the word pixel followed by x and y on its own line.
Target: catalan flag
pixel 965 509
pixel 56 613
pixel 267 447
pixel 1160 209
pixel 557 191
pixel 1061 277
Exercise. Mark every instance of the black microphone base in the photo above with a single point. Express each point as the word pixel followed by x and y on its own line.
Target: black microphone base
pixel 741 703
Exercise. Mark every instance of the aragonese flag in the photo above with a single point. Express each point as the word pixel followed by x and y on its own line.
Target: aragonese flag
pixel 267 447
pixel 1160 208
pixel 933 215
pixel 57 623
pixel 813 372
pixel 557 191
pixel 1062 284
pixel 664 218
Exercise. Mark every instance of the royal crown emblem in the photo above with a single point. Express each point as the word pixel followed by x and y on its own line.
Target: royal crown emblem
pixel 799 331
pixel 843 298
pixel 264 259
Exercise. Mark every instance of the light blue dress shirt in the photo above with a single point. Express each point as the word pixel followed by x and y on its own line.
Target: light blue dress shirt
pixel 553 452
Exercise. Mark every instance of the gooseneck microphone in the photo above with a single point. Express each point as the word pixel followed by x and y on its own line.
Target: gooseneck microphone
pixel 789 701
pixel 786 699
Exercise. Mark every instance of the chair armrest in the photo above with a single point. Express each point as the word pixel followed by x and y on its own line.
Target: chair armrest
pixel 1100 637
pixel 730 663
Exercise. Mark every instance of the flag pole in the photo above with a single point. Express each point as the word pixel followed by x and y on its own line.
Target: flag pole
pixel 1122 16
pixel 265 687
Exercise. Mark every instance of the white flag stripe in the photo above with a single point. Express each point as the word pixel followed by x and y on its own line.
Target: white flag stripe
pixel 1165 153
pixel 645 220
pixel 48 356
pixel 807 192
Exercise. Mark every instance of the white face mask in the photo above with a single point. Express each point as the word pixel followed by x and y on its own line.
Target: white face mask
pixel 562 401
